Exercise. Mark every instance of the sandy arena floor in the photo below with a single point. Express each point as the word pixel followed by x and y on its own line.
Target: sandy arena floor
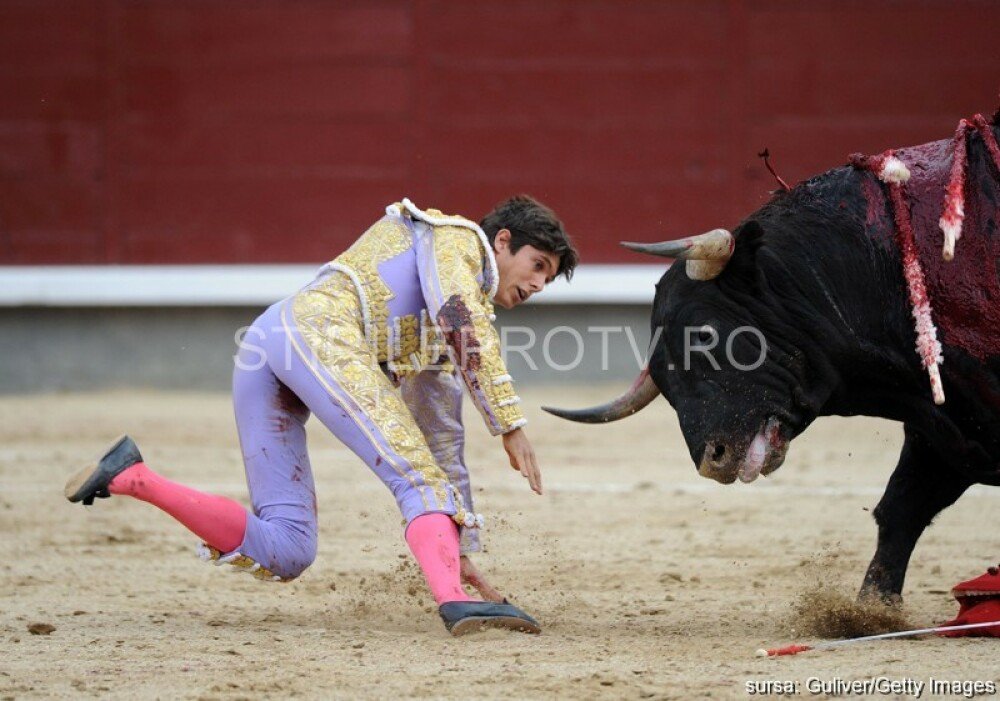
pixel 651 582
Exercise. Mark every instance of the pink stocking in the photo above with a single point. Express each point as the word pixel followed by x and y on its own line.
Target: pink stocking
pixel 433 539
pixel 219 521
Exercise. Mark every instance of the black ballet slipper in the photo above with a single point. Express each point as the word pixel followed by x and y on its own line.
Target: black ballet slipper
pixel 461 617
pixel 92 481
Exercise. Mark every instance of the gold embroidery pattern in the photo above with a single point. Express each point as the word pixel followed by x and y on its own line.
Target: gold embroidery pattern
pixel 407 343
pixel 409 335
pixel 328 317
pixel 416 344
pixel 384 240
pixel 240 562
pixel 459 257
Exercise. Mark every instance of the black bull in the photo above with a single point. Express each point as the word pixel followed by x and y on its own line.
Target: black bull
pixel 806 312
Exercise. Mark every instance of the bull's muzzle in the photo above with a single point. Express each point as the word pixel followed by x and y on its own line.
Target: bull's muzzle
pixel 761 455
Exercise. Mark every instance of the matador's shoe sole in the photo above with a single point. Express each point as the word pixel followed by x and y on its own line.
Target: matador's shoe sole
pixel 92 481
pixel 462 617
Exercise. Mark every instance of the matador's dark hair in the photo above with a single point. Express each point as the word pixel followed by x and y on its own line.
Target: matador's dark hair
pixel 531 223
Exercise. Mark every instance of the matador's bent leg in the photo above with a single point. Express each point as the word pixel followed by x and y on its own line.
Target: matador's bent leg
pixel 281 533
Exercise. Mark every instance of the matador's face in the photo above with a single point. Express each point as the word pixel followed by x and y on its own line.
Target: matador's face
pixel 522 274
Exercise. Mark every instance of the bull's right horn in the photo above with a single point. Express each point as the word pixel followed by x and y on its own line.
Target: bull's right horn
pixel 706 254
pixel 637 397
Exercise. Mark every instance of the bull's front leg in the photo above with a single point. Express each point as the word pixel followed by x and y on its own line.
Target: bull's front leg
pixel 919 488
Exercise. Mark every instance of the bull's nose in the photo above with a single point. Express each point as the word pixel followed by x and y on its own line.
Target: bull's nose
pixel 715 463
pixel 715 454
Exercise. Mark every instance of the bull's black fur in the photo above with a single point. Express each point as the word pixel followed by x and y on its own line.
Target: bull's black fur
pixel 823 281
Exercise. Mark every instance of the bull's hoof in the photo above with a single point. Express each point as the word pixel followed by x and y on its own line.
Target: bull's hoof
pixel 874 596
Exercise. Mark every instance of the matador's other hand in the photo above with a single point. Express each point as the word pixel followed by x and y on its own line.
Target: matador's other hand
pixel 522 457
pixel 474 578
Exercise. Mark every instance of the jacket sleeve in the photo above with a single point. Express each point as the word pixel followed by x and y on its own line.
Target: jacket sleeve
pixel 451 262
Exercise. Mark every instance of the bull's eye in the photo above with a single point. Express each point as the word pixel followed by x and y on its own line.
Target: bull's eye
pixel 706 336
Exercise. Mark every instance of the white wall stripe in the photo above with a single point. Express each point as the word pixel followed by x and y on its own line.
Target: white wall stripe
pixel 257 285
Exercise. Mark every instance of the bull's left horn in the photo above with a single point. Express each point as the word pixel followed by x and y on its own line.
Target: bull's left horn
pixel 637 397
pixel 706 254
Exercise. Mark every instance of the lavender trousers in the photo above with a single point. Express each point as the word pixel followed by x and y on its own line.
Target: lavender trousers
pixel 415 447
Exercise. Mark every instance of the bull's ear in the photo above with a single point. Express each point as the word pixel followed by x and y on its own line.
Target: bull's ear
pixel 749 237
pixel 749 234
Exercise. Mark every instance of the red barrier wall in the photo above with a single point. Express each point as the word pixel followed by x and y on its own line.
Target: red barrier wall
pixel 267 131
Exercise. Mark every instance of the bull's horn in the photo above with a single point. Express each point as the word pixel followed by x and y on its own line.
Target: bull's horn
pixel 706 254
pixel 640 394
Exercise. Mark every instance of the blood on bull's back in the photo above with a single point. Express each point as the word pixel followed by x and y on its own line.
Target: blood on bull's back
pixel 965 291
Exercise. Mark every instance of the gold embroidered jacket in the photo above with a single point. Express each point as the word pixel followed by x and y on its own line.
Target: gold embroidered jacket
pixel 426 283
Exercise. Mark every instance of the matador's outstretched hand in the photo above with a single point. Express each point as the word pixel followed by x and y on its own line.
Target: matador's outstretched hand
pixel 522 457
